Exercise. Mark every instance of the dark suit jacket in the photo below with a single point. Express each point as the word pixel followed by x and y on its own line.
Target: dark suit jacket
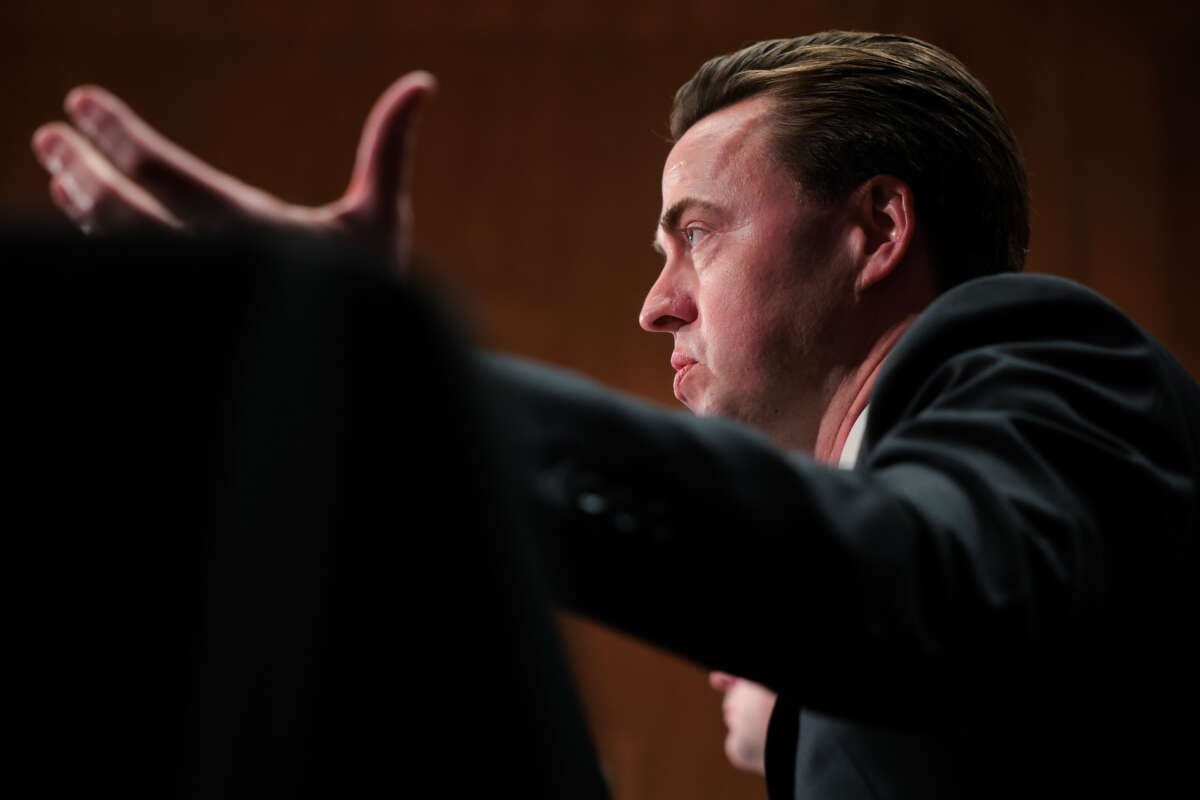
pixel 1000 600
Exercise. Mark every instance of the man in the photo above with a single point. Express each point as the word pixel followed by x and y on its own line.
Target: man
pixel 999 599
pixel 747 705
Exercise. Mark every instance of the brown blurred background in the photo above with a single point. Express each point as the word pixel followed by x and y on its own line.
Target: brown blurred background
pixel 537 184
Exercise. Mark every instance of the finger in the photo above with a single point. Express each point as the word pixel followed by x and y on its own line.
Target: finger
pixel 192 190
pixel 67 196
pixel 721 681
pixel 377 197
pixel 89 189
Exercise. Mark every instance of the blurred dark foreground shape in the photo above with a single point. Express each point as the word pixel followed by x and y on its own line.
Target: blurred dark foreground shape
pixel 261 546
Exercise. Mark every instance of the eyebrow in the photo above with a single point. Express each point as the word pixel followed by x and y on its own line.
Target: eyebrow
pixel 670 218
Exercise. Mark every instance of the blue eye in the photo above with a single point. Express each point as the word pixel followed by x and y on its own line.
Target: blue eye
pixel 693 235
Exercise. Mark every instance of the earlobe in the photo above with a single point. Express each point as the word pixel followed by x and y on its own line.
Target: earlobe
pixel 886 213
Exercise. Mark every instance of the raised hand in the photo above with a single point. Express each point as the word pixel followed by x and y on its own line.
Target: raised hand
pixel 746 707
pixel 111 171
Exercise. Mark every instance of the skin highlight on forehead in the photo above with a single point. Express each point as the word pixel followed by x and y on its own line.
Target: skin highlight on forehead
pixel 723 136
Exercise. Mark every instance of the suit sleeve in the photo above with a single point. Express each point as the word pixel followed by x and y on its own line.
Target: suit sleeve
pixel 1025 507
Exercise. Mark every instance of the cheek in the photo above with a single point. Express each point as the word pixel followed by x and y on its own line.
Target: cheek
pixel 757 335
pixel 739 319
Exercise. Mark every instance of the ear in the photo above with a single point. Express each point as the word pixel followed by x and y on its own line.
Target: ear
pixel 885 213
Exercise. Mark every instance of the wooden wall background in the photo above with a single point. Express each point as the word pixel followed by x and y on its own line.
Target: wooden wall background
pixel 537 183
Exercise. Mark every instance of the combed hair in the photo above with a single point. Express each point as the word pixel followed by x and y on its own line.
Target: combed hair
pixel 849 106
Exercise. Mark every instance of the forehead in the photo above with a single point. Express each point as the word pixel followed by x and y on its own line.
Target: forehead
pixel 719 145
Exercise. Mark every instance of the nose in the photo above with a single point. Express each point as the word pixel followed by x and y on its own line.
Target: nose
pixel 669 305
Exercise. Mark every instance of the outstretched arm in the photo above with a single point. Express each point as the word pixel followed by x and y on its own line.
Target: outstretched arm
pixel 109 170
pixel 1023 516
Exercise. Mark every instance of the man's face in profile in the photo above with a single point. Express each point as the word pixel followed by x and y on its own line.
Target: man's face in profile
pixel 753 279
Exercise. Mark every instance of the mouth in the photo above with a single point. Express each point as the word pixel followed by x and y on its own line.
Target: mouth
pixel 682 365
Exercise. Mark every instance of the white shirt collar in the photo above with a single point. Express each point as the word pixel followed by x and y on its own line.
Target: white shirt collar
pixel 849 456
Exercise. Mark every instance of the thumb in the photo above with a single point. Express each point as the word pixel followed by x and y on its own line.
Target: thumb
pixel 721 681
pixel 377 197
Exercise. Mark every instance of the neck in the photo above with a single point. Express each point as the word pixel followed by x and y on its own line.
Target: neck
pixel 852 393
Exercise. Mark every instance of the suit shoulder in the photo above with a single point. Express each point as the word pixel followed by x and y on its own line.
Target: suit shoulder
pixel 1011 306
pixel 1025 333
pixel 1015 312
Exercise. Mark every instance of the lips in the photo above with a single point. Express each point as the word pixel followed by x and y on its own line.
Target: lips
pixel 682 365
pixel 680 361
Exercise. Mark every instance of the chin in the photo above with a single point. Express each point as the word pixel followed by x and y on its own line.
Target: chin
pixel 697 405
pixel 724 411
pixel 704 404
